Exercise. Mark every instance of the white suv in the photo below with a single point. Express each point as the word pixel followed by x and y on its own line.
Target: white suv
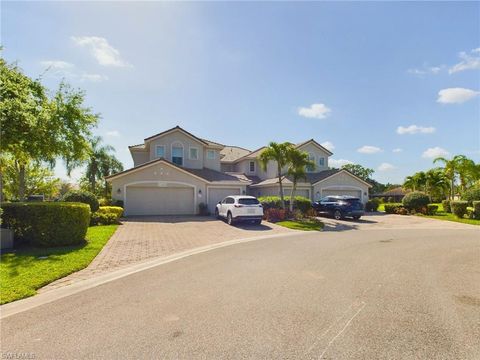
pixel 240 208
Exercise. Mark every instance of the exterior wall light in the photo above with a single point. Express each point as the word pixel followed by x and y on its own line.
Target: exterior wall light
pixel 199 193
pixel 119 191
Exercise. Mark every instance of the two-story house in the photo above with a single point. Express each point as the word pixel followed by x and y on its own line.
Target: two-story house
pixel 174 171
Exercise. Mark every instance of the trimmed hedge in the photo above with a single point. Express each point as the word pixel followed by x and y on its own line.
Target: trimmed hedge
pixel 446 206
pixel 274 202
pixel 48 223
pixel 106 215
pixel 393 208
pixel 85 197
pixel 415 201
pixel 275 214
pixel 372 205
pixel 472 194
pixel 459 208
pixel 476 209
pixel 432 209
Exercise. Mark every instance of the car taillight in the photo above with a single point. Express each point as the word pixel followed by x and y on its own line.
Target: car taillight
pixel 238 205
pixel 260 205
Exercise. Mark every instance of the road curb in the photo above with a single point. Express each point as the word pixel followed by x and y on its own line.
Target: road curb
pixel 68 290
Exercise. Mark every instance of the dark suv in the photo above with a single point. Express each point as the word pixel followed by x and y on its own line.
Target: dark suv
pixel 340 207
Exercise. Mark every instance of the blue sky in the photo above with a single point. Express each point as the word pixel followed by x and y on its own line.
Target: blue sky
pixel 390 85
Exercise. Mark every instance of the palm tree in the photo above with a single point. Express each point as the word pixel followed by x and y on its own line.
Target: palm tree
pixel 278 153
pixel 111 165
pixel 436 183
pixel 451 168
pixel 415 182
pixel 298 162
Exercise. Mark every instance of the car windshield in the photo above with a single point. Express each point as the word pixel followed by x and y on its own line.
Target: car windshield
pixel 248 201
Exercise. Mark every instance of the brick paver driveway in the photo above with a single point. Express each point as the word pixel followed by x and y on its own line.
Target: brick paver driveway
pixel 143 238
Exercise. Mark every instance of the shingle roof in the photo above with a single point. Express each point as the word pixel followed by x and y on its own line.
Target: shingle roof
pixel 247 178
pixel 316 177
pixel 139 146
pixel 232 153
pixel 316 143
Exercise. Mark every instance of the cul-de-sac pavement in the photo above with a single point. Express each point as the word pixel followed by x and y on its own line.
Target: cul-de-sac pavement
pixel 386 287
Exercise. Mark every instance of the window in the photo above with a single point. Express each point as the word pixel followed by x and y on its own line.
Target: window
pixel 321 161
pixel 160 151
pixel 252 166
pixel 210 154
pixel 177 155
pixel 193 153
pixel 248 201
pixel 311 157
pixel 230 200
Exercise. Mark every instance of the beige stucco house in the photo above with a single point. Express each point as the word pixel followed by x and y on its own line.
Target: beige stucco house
pixel 174 171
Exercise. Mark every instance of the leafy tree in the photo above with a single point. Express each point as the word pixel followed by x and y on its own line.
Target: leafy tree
pixel 36 128
pixel 298 162
pixel 451 169
pixel 359 171
pixel 278 153
pixel 436 184
pixel 415 182
pixel 39 179
pixel 110 166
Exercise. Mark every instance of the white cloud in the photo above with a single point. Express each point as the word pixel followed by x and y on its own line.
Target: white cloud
pixel 414 129
pixel 56 64
pixel 64 69
pixel 328 145
pixel 318 111
pixel 426 70
pixel 368 149
pixel 101 50
pixel 469 61
pixel 435 152
pixel 93 77
pixel 456 95
pixel 386 167
pixel 113 133
pixel 338 163
pixel 397 150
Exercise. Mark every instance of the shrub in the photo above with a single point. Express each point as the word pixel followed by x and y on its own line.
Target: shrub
pixel 470 212
pixel 392 208
pixel 401 211
pixel 390 199
pixel 476 209
pixel 203 209
pixel 48 223
pixel 83 197
pixel 110 202
pixel 311 213
pixel 301 203
pixel 116 210
pixel 431 209
pixel 472 194
pixel 275 215
pixel 372 205
pixel 459 208
pixel 106 215
pixel 415 201
pixel 446 206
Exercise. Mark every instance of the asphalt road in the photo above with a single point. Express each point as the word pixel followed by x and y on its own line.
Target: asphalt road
pixel 382 294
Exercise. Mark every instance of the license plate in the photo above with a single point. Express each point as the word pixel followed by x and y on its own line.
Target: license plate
pixel 250 211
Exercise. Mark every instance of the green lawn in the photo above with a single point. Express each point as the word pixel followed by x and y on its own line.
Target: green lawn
pixel 24 271
pixel 305 225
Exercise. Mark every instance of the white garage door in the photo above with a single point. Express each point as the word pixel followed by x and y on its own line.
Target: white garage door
pixel 159 201
pixel 356 193
pixel 217 194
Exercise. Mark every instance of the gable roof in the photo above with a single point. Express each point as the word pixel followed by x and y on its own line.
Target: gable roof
pixel 316 144
pixel 335 172
pixel 232 153
pixel 205 174
pixel 178 128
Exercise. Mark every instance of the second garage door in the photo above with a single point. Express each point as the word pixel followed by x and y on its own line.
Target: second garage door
pixel 218 194
pixel 355 193
pixel 159 201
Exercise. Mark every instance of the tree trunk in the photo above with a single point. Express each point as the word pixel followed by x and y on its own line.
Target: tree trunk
pixel 21 182
pixel 292 195
pixel 452 189
pixel 281 186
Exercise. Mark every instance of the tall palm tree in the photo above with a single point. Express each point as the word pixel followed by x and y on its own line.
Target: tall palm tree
pixel 451 168
pixel 415 182
pixel 278 153
pixel 436 183
pixel 111 165
pixel 298 162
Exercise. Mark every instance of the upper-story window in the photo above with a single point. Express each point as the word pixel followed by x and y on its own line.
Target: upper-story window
pixel 251 166
pixel 177 155
pixel 211 154
pixel 160 151
pixel 193 153
pixel 311 157
pixel 321 161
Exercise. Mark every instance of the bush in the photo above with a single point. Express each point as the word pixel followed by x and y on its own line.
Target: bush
pixel 106 215
pixel 203 209
pixel 459 208
pixel 401 211
pixel 47 223
pixel 392 208
pixel 273 202
pixel 415 201
pixel 116 210
pixel 83 197
pixel 275 215
pixel 471 195
pixel 311 213
pixel 446 206
pixel 110 202
pixel 391 199
pixel 476 209
pixel 431 209
pixel 372 205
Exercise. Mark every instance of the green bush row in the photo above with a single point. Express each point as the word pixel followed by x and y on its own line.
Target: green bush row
pixel 446 206
pixel 459 208
pixel 106 215
pixel 416 201
pixel 47 223
pixel 372 205
pixel 85 197
pixel 274 202
pixel 471 195
pixel 393 208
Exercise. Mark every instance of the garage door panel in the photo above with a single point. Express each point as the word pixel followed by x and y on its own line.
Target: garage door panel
pixel 328 192
pixel 218 194
pixel 159 201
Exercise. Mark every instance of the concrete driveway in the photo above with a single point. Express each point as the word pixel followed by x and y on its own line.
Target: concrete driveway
pixel 382 294
pixel 145 237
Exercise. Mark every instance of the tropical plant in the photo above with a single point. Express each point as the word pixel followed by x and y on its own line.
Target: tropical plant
pixel 298 162
pixel 436 184
pixel 459 166
pixel 359 171
pixel 415 182
pixel 277 152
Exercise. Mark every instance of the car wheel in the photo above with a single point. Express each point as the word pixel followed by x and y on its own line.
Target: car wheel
pixel 217 215
pixel 257 222
pixel 229 219
pixel 337 215
pixel 356 217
